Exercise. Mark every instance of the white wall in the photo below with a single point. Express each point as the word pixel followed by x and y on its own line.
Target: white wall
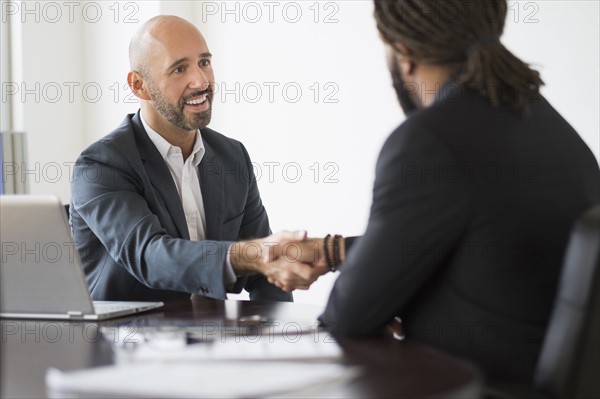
pixel 40 94
pixel 105 64
pixel 67 58
pixel 344 58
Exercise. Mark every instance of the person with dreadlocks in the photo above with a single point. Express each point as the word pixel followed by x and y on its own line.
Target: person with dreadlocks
pixel 474 196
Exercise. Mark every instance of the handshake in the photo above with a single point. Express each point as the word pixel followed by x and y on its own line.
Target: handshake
pixel 289 260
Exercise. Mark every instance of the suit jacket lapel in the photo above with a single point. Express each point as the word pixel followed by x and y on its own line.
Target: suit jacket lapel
pixel 159 175
pixel 211 185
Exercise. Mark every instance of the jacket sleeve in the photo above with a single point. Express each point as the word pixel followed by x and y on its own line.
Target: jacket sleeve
pixel 416 217
pixel 108 194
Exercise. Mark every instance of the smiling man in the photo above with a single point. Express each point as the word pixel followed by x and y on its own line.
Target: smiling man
pixel 159 205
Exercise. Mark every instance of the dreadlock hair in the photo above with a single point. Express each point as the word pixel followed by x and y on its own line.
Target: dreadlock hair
pixel 465 32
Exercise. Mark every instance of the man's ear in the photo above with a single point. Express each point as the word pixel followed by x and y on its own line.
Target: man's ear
pixel 404 57
pixel 136 84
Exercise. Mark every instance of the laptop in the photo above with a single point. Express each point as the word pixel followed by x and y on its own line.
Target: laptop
pixel 41 275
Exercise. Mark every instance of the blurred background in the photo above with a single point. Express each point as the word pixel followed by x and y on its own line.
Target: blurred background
pixel 303 84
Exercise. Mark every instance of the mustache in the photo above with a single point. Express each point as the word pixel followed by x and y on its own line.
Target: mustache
pixel 209 91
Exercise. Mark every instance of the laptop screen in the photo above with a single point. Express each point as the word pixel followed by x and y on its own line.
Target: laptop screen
pixel 40 267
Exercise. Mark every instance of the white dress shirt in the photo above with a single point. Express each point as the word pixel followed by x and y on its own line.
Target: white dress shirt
pixel 187 181
pixel 185 176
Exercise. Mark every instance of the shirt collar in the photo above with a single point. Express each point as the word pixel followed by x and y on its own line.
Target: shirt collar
pixel 449 91
pixel 164 147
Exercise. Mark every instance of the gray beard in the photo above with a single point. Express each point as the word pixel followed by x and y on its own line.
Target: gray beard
pixel 175 114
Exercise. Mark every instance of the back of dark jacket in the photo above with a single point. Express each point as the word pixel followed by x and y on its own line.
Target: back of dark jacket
pixel 472 209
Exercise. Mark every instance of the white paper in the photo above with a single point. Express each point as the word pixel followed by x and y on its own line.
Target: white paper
pixel 198 379
pixel 306 347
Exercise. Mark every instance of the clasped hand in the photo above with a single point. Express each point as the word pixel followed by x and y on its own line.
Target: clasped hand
pixel 289 260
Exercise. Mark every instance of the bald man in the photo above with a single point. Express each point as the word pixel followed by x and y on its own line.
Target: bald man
pixel 160 204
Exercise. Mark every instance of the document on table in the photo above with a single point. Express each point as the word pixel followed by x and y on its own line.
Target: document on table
pixel 147 344
pixel 200 380
pixel 259 348
pixel 165 364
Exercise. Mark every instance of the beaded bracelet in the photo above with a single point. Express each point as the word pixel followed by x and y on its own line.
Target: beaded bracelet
pixel 328 260
pixel 336 252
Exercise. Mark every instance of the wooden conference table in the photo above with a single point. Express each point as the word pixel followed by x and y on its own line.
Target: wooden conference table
pixel 391 368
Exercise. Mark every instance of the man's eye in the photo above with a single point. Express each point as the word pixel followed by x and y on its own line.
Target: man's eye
pixel 204 63
pixel 179 69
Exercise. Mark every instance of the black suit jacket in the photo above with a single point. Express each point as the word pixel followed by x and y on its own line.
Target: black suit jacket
pixel 472 208
pixel 129 226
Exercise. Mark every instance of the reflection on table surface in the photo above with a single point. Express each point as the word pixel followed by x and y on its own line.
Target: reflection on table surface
pixel 389 368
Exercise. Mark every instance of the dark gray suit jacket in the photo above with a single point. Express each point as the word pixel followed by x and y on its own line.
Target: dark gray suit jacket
pixel 472 208
pixel 129 225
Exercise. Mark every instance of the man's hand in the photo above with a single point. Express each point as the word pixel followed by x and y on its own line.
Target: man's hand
pixel 287 259
pixel 290 275
pixel 307 250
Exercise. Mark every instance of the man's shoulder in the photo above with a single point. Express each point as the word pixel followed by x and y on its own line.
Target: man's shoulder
pixel 117 147
pixel 419 126
pixel 122 133
pixel 426 135
pixel 442 117
pixel 222 144
pixel 121 137
pixel 215 137
pixel 453 123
